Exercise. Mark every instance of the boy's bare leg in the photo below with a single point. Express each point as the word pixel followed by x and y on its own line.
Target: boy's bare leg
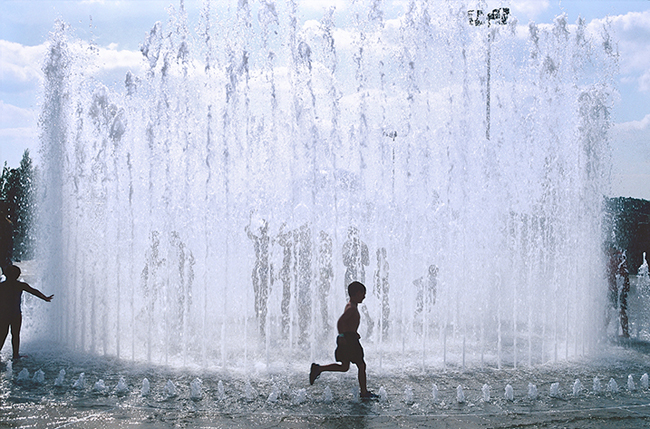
pixel 316 370
pixel 15 336
pixel 362 378
pixel 334 367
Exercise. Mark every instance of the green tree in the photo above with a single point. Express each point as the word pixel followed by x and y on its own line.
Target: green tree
pixel 17 194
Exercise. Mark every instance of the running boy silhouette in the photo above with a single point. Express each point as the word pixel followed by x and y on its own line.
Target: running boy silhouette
pixel 11 291
pixel 348 348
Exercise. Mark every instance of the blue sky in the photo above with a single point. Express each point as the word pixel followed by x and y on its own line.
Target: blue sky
pixel 118 28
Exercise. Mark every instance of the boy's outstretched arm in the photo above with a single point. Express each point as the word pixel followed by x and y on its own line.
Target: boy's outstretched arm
pixel 37 293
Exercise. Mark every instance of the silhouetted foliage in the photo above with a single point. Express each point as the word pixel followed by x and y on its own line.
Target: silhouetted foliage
pixel 628 228
pixel 17 195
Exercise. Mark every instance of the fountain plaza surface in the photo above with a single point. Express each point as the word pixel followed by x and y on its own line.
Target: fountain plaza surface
pixel 286 400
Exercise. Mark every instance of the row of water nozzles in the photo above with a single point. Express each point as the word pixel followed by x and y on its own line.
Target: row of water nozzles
pixel 300 395
pixel 170 390
pixel 533 393
pixel 100 387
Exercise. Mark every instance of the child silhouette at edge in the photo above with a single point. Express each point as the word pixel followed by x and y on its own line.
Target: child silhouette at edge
pixel 11 291
pixel 348 348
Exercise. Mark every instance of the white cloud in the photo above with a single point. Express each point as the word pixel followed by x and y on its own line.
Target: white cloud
pixel 12 116
pixel 19 133
pixel 632 31
pixel 644 81
pixel 21 77
pixel 643 124
pixel 529 8
pixel 20 65
pixel 631 159
pixel 14 141
pixel 112 58
pixel 322 5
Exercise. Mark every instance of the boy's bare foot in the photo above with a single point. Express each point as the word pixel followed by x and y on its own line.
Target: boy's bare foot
pixel 369 395
pixel 314 373
pixel 18 357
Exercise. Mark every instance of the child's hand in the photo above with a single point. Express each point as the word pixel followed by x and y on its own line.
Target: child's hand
pixel 49 298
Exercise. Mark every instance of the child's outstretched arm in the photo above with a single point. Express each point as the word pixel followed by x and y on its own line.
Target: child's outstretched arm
pixel 36 292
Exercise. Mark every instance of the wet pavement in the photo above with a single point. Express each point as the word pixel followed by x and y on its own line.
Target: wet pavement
pixel 286 400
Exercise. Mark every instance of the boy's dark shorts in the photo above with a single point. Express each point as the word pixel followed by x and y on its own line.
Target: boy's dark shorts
pixel 12 320
pixel 348 348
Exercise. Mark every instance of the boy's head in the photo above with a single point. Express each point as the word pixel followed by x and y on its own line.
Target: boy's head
pixel 11 272
pixel 355 289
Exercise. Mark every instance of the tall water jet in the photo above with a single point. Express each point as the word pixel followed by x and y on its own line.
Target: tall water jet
pixel 212 210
